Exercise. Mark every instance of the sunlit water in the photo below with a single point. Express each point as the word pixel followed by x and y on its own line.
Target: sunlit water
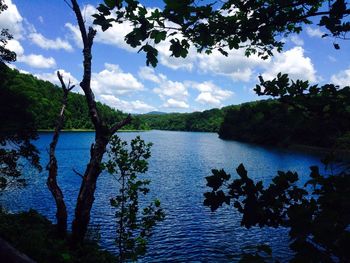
pixel 178 166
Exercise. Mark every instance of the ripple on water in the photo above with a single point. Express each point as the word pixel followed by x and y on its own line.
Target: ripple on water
pixel 178 166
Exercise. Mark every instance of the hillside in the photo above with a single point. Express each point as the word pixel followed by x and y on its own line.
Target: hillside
pixel 45 102
pixel 206 121
pixel 322 121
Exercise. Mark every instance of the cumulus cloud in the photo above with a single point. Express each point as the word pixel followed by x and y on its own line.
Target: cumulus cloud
pixel 314 32
pixel 175 104
pixel 342 78
pixel 136 106
pixel 37 61
pixel 33 60
pixel 176 63
pixel 12 20
pixel 52 77
pixel 147 73
pixel 113 81
pixel 15 46
pixel 210 93
pixel 292 62
pixel 45 43
pixel 236 65
pixel 75 34
pixel 173 89
pixel 297 40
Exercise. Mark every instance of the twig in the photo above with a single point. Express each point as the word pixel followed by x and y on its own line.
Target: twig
pixel 77 173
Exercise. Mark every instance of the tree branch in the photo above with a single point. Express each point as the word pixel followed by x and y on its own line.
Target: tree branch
pixel 120 124
pixel 77 173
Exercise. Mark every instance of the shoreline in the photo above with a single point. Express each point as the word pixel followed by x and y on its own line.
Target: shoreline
pixel 319 150
pixel 86 130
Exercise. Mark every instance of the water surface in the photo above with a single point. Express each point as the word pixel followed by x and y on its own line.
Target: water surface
pixel 178 166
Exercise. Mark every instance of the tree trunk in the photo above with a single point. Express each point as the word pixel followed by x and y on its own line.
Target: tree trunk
pixel 87 190
pixel 61 213
pixel 102 136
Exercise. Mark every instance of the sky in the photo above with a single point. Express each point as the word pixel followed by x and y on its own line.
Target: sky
pixel 47 39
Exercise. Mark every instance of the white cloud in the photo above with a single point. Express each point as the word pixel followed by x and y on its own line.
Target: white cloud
pixel 147 73
pixel 37 61
pixel 52 77
pixel 113 81
pixel 175 104
pixel 173 89
pixel 15 46
pixel 136 106
pixel 46 43
pixel 297 40
pixel 41 19
pixel 292 62
pixel 12 20
pixel 210 93
pixel 236 65
pixel 314 32
pixel 342 78
pixel 175 63
pixel 113 36
pixel 33 60
pixel 75 34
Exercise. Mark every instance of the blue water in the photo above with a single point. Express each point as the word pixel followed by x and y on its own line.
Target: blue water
pixel 178 166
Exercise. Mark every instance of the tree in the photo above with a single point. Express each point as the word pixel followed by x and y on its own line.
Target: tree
pixel 6 55
pixel 61 213
pixel 256 26
pixel 134 224
pixel 17 126
pixel 17 130
pixel 103 134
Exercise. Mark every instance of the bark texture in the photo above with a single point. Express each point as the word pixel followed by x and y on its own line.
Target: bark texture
pixel 102 135
pixel 61 213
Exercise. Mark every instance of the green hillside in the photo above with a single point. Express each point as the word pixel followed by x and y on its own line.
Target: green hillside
pixel 45 102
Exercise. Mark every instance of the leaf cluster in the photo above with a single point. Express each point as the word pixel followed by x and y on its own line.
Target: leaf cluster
pixel 256 26
pixel 134 223
pixel 6 55
pixel 17 130
pixel 318 219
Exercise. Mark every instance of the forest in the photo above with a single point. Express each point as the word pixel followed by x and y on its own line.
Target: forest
pixel 270 122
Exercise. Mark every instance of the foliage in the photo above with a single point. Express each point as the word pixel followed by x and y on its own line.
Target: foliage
pixel 35 236
pixel 206 121
pixel 6 55
pixel 45 101
pixel 303 114
pixel 134 225
pixel 256 26
pixel 16 132
pixel 318 219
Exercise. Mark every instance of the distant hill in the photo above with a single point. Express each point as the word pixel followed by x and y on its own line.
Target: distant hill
pixel 155 113
pixel 207 121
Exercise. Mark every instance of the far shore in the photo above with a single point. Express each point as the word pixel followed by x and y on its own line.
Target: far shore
pixel 85 130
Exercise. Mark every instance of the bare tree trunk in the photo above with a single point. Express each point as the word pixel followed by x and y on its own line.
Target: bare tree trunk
pixel 102 136
pixel 61 213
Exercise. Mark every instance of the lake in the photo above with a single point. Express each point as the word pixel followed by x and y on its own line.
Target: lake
pixel 178 166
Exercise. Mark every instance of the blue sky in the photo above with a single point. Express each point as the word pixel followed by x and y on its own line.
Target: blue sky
pixel 46 39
